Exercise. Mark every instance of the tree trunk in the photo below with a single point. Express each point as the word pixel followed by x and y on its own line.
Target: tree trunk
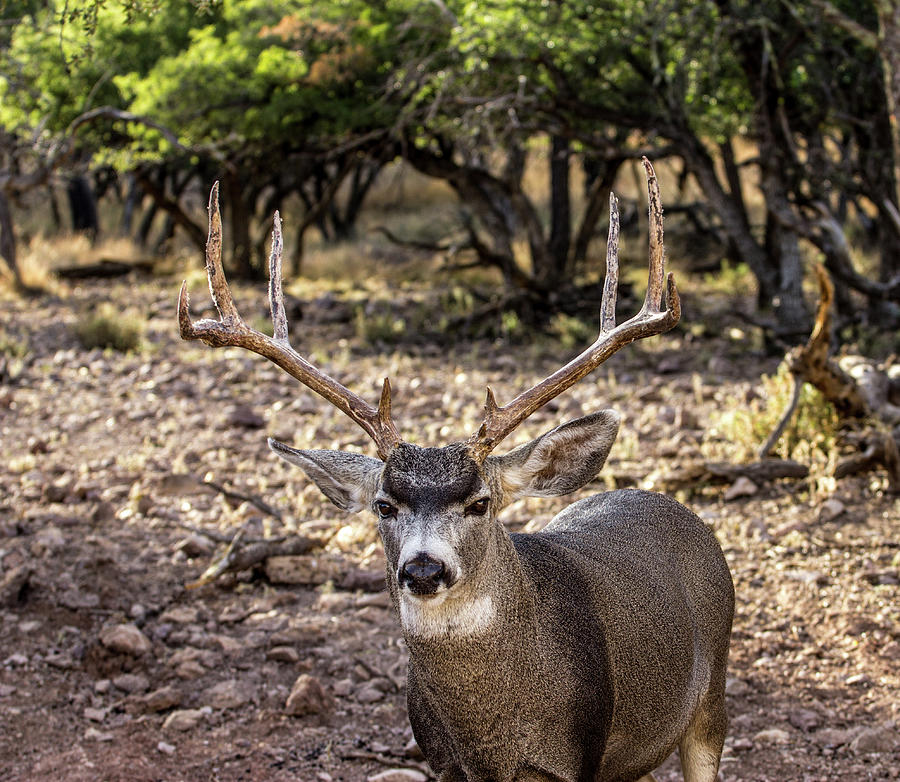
pixel 83 207
pixel 8 238
pixel 241 244
pixel 560 212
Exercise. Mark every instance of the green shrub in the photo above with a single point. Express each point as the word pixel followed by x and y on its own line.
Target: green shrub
pixel 106 327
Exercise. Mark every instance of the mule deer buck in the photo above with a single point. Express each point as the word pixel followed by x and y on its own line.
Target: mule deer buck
pixel 587 651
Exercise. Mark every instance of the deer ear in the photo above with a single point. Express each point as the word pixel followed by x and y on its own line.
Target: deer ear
pixel 560 461
pixel 347 479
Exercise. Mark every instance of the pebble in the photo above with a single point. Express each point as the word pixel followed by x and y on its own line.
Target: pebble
pixel 308 696
pixel 398 775
pixel 882 738
pixel 369 694
pixel 125 639
pixel 283 654
pixel 742 487
pixel 162 699
pixel 166 748
pixel 185 719
pixel 132 682
pixel 772 736
pixel 94 715
pixel 92 734
pixel 229 694
pixel 804 719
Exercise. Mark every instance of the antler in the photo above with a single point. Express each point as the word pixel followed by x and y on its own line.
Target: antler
pixel 231 331
pixel 651 320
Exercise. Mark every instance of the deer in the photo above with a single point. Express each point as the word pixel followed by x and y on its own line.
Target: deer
pixel 587 651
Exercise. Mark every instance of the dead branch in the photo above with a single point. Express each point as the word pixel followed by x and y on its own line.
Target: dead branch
pixel 811 363
pixel 759 472
pixel 239 497
pixel 238 557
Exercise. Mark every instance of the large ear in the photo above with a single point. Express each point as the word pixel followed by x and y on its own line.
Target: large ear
pixel 347 479
pixel 560 461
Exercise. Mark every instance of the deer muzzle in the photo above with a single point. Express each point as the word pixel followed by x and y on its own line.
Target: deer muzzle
pixel 423 574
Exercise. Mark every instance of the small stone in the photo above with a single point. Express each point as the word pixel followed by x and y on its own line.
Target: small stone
pixel 788 527
pixel 165 748
pixel 343 687
pixel 882 738
pixel 398 775
pixel 835 737
pixel 831 509
pixel 190 669
pixel 244 417
pixel 283 654
pixel 181 615
pixel 183 719
pixel 736 687
pixel 742 487
pixel 857 678
pixel 742 745
pixel 308 696
pixel 132 682
pixel 102 686
pixel 125 639
pixel 94 715
pixel 772 736
pixel 92 734
pixel 13 584
pixel 195 546
pixel 229 694
pixel 162 699
pixel 805 719
pixel 369 694
pixel 17 658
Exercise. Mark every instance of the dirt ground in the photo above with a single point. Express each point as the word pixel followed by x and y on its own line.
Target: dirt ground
pixel 110 669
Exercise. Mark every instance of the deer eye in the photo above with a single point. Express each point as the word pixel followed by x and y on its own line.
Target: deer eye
pixel 385 510
pixel 479 507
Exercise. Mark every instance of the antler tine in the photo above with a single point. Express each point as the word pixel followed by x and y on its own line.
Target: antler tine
pixel 649 321
pixel 230 330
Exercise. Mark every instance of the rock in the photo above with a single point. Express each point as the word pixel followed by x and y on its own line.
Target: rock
pixel 165 748
pixel 94 715
pixel 736 687
pixel 805 719
pixel 244 417
pixel 125 639
pixel 181 615
pixel 308 696
pixel 364 580
pixel 835 737
pixel 369 694
pixel 185 719
pixel 742 487
pixel 742 745
pixel 772 736
pixel 195 546
pixel 48 541
pixel 132 682
pixel 229 694
pixel 398 775
pixel 92 734
pixel 882 738
pixel 343 688
pixel 13 585
pixel 831 509
pixel 162 699
pixel 283 654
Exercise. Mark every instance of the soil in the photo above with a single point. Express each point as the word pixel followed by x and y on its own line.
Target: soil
pixel 104 520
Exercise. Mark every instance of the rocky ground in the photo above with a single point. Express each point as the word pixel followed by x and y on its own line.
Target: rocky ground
pixel 111 669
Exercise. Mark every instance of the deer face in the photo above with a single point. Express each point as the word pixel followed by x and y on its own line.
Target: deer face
pixel 437 507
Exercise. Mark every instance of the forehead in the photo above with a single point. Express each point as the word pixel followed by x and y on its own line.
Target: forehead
pixel 441 476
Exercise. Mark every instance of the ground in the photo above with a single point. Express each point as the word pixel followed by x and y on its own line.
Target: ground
pixel 104 521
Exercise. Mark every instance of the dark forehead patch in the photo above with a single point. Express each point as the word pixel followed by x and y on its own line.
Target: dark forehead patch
pixel 420 477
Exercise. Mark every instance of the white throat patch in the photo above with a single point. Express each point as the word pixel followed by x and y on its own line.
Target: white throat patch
pixel 443 616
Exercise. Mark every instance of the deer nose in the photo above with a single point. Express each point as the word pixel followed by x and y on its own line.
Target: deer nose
pixel 423 574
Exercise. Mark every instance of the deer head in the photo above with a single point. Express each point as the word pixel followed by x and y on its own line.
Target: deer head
pixel 437 507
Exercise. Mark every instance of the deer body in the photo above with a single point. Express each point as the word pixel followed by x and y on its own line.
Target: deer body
pixel 582 653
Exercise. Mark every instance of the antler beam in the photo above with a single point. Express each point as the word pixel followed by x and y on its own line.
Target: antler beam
pixel 231 331
pixel 651 320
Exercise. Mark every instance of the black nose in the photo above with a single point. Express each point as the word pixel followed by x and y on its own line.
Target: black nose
pixel 423 574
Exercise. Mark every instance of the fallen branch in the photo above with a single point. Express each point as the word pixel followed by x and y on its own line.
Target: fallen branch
pixel 759 472
pixel 239 497
pixel 238 557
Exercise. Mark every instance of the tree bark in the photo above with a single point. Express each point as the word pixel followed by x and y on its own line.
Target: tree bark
pixel 8 238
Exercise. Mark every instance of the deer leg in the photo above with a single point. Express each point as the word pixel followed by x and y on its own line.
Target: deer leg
pixel 700 748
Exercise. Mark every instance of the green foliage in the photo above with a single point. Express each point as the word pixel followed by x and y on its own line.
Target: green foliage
pixel 571 332
pixel 810 438
pixel 108 328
